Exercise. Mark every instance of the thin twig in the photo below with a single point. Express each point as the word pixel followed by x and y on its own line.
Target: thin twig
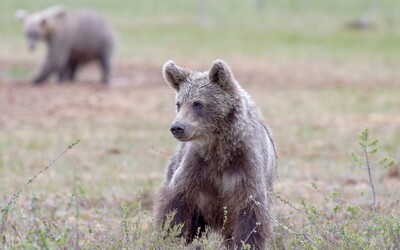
pixel 370 180
pixel 251 232
pixel 16 232
pixel 16 195
pixel 76 226
pixel 308 238
pixel 314 224
pixel 294 207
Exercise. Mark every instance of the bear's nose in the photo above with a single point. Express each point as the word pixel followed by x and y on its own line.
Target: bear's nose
pixel 177 129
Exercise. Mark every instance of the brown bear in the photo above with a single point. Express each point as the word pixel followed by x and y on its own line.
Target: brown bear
pixel 223 170
pixel 73 39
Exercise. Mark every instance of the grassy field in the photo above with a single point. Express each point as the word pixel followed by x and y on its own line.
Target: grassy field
pixel 317 83
pixel 150 30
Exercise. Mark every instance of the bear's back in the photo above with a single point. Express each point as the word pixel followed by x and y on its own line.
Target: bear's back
pixel 89 34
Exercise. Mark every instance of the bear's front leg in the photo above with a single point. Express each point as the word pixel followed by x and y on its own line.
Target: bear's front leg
pixel 44 73
pixel 56 61
pixel 252 228
pixel 171 202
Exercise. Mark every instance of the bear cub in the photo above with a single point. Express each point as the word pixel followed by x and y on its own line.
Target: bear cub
pixel 73 39
pixel 225 163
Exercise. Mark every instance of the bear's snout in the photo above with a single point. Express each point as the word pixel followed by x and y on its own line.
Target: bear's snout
pixel 177 129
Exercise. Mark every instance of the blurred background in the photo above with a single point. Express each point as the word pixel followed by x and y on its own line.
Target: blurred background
pixel 319 71
pixel 262 30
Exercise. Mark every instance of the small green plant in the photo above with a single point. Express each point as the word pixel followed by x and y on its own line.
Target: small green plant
pixel 245 246
pixel 370 147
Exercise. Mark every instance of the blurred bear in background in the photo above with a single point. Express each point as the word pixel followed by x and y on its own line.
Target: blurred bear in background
pixel 73 39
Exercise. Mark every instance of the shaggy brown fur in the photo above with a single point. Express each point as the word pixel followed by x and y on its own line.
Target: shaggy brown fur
pixel 226 159
pixel 73 38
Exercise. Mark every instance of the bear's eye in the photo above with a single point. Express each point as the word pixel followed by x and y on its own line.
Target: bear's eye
pixel 197 105
pixel 178 106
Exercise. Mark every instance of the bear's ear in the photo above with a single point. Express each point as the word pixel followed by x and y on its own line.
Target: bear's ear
pixel 21 15
pixel 221 74
pixel 174 75
pixel 51 15
pixel 59 12
pixel 55 12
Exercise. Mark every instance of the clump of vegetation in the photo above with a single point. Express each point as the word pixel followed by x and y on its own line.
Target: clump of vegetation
pixel 346 225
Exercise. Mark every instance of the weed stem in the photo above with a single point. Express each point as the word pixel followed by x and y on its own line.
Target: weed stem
pixel 16 195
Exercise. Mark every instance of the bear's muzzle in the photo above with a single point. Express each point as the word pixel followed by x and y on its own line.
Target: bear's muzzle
pixel 178 129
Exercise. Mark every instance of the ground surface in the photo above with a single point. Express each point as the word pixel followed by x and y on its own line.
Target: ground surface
pixel 314 110
pixel 317 82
